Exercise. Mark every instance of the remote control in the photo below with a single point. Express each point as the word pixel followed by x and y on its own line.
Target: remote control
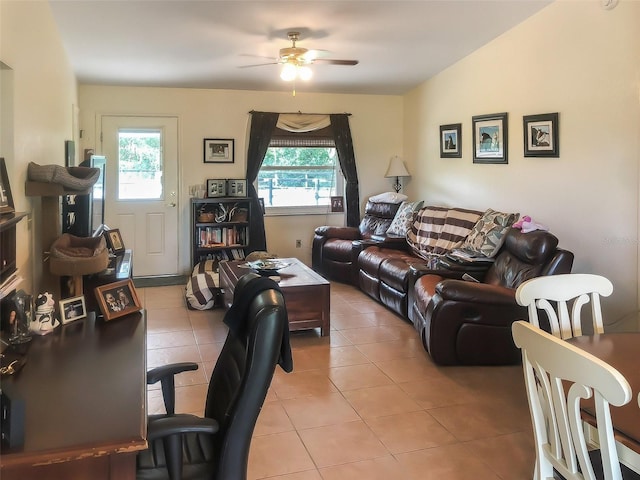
pixel 469 278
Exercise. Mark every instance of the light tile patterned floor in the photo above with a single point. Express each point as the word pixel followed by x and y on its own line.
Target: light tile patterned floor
pixel 367 402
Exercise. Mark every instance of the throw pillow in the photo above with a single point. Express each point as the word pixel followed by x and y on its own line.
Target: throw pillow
pixel 487 235
pixel 403 219
pixel 388 197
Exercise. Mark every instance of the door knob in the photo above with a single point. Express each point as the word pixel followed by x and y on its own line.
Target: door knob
pixel 172 204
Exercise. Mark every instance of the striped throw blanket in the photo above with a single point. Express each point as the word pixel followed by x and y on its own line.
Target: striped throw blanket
pixel 437 230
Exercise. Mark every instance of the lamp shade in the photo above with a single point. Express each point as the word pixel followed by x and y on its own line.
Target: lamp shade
pixel 397 168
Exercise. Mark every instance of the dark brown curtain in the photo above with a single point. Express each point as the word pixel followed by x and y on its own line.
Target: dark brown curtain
pixel 262 126
pixel 344 147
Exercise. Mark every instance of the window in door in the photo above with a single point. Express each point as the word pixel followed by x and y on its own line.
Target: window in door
pixel 299 176
pixel 140 164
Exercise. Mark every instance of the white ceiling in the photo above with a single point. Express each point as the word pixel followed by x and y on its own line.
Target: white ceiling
pixel 203 44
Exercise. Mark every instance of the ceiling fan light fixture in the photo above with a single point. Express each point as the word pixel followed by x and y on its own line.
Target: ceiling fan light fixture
pixel 305 73
pixel 289 72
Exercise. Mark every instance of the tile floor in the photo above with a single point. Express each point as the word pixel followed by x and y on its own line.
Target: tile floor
pixel 364 402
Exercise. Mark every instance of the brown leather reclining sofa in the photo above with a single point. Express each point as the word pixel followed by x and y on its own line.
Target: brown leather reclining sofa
pixel 459 321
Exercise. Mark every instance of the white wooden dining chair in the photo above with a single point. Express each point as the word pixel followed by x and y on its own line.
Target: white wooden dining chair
pixel 569 293
pixel 564 374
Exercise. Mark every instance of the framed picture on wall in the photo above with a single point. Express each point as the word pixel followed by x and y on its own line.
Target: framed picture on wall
pixel 490 139
pixel 218 150
pixel 450 141
pixel 541 137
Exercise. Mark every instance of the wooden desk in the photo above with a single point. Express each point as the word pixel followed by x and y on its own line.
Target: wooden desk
pixel 621 351
pixel 84 388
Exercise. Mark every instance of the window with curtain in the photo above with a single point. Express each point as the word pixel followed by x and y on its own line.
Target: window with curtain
pixel 300 173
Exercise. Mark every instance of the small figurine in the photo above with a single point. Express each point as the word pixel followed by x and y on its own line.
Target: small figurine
pixel 45 320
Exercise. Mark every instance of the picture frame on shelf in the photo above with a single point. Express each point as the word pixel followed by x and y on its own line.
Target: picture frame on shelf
pixel 490 138
pixel 237 188
pixel 451 140
pixel 219 150
pixel 216 187
pixel 541 135
pixel 117 299
pixel 114 240
pixel 6 199
pixel 72 309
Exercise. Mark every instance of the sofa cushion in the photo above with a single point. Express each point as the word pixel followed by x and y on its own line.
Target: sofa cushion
pixel 522 257
pixel 403 219
pixel 436 230
pixel 488 234
pixel 377 218
pixel 388 197
pixel 338 250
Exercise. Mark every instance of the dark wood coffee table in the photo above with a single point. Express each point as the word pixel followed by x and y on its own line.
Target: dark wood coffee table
pixel 305 292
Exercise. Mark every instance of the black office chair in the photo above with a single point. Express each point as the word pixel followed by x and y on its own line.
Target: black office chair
pixel 217 447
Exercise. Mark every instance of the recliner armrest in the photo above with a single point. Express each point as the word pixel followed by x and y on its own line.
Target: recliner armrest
pixel 463 291
pixel 391 241
pixel 345 233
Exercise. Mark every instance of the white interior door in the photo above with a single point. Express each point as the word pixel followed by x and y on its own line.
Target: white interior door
pixel 141 189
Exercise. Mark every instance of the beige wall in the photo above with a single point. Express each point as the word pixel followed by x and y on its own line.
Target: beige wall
pixel 573 58
pixel 37 93
pixel 376 126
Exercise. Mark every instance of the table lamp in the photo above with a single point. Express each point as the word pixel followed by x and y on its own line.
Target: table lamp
pixel 397 169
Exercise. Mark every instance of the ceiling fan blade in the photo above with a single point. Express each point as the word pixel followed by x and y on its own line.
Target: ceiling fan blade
pixel 315 54
pixel 257 56
pixel 259 65
pixel 336 62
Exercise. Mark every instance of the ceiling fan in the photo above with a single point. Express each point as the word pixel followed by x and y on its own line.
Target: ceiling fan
pixel 296 60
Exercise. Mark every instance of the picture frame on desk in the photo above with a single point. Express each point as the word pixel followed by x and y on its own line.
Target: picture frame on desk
pixel 72 309
pixel 114 240
pixel 117 299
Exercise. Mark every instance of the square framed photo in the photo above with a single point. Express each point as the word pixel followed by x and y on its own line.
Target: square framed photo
pixel 337 204
pixel 114 240
pixel 6 199
pixel 451 141
pixel 218 150
pixel 541 135
pixel 490 138
pixel 117 299
pixel 72 309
